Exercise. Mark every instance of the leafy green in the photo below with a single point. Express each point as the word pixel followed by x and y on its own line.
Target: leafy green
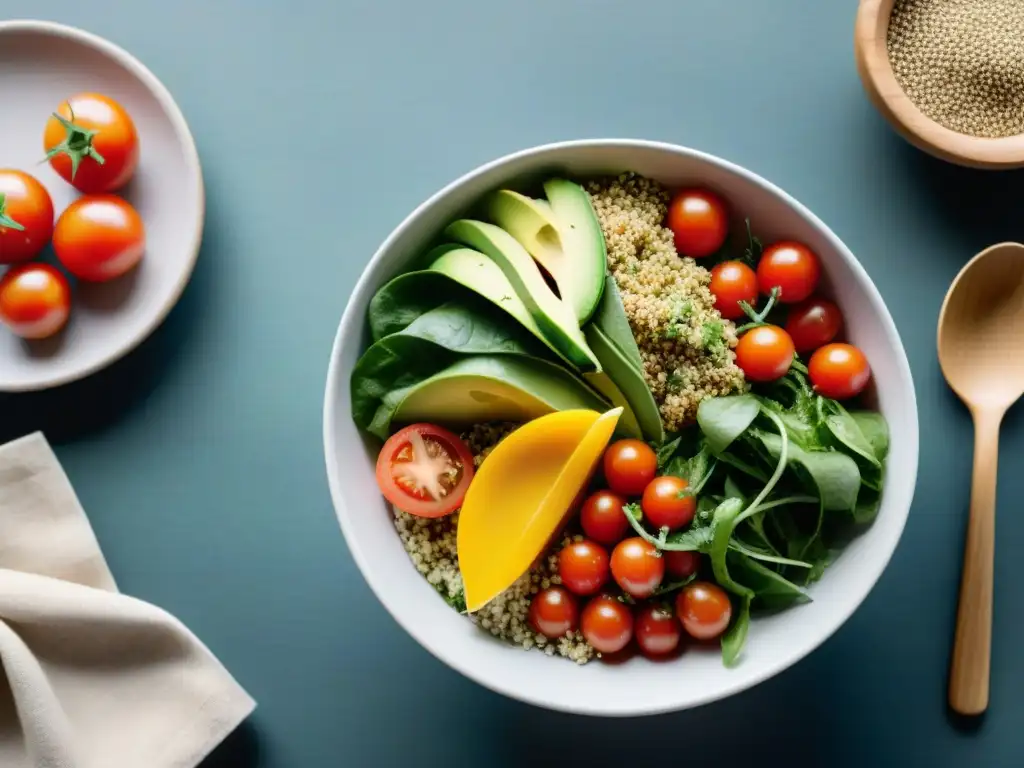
pixel 427 345
pixel 875 430
pixel 610 317
pixel 399 302
pixel 834 475
pixel 723 419
pixel 847 431
pixel 736 637
pixel 772 590
pixel 666 452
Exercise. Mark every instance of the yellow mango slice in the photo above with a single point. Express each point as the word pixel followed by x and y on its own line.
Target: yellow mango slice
pixel 521 495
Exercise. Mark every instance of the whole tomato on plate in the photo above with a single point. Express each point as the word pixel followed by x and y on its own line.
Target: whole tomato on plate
pixel 99 237
pixel 26 216
pixel 92 143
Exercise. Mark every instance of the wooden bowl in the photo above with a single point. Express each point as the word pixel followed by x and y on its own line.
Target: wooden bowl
pixel 916 127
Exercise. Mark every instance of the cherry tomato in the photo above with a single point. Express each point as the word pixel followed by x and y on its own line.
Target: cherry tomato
pixel 602 517
pixel 607 624
pixel 26 217
pixel 704 610
pixel 765 353
pixel 583 566
pixel 99 237
pixel 637 567
pixel 424 470
pixel 91 142
pixel 681 565
pixel 35 300
pixel 839 371
pixel 699 220
pixel 813 323
pixel 792 268
pixel 629 465
pixel 657 631
pixel 664 504
pixel 731 283
pixel 554 612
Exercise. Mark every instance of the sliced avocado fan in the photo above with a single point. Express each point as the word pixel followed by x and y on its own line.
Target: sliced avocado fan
pixel 487 388
pixel 554 317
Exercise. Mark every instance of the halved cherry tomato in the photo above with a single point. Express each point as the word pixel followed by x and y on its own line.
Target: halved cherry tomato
pixel 26 217
pixel 657 631
pixel 704 610
pixel 839 371
pixel 812 323
pixel 99 237
pixel 554 612
pixel 637 567
pixel 35 300
pixel 731 283
pixel 425 470
pixel 629 465
pixel 583 567
pixel 665 503
pixel 602 517
pixel 765 353
pixel 699 221
pixel 607 624
pixel 92 143
pixel 792 268
pixel 681 565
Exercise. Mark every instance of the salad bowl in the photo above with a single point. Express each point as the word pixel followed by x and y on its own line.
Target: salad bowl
pixel 639 686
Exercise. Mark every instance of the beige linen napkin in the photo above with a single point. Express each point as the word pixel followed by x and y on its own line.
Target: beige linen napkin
pixel 91 678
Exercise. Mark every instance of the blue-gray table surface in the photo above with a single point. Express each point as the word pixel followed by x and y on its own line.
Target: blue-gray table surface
pixel 320 126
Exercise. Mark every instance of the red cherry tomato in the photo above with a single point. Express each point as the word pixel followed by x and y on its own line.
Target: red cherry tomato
pixel 704 610
pixel 765 353
pixel 699 221
pixel 26 217
pixel 813 323
pixel 602 517
pixel 35 300
pixel 637 567
pixel 425 470
pixel 97 131
pixel 839 371
pixel 792 268
pixel 607 624
pixel 629 465
pixel 681 565
pixel 657 631
pixel 731 283
pixel 665 505
pixel 583 566
pixel 554 612
pixel 99 237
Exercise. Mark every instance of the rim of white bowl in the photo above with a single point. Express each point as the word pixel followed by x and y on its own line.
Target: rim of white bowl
pixel 191 153
pixel 350 325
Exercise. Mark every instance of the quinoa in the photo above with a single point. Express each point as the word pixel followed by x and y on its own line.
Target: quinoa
pixel 961 62
pixel 432 547
pixel 685 344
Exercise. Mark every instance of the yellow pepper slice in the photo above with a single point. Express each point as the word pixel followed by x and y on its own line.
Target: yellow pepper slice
pixel 521 495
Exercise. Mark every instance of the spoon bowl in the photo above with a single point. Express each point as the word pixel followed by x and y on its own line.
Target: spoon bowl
pixel 981 352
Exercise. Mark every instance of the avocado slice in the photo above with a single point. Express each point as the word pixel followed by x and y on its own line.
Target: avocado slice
pixel 554 318
pixel 487 388
pixel 576 266
pixel 630 382
pixel 587 257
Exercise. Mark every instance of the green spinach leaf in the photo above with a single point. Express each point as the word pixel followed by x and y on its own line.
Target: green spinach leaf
pixel 723 419
pixel 848 434
pixel 771 590
pixel 835 475
pixel 736 636
pixel 874 428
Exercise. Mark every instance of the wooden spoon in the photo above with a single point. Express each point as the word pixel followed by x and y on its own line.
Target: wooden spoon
pixel 981 351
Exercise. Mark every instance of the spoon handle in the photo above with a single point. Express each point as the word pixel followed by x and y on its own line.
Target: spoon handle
pixel 969 675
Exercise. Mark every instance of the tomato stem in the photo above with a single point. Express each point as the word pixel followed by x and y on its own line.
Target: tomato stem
pixel 757 319
pixel 6 222
pixel 77 144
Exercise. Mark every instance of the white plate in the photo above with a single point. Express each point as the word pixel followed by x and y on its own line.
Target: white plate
pixel 42 64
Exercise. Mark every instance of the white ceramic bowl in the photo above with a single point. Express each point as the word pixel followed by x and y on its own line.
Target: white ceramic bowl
pixel 41 65
pixel 637 687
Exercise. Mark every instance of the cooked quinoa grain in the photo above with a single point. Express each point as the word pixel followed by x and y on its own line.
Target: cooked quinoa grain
pixel 432 547
pixel 685 343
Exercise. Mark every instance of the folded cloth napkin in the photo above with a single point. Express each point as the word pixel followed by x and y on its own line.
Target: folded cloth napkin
pixel 91 678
